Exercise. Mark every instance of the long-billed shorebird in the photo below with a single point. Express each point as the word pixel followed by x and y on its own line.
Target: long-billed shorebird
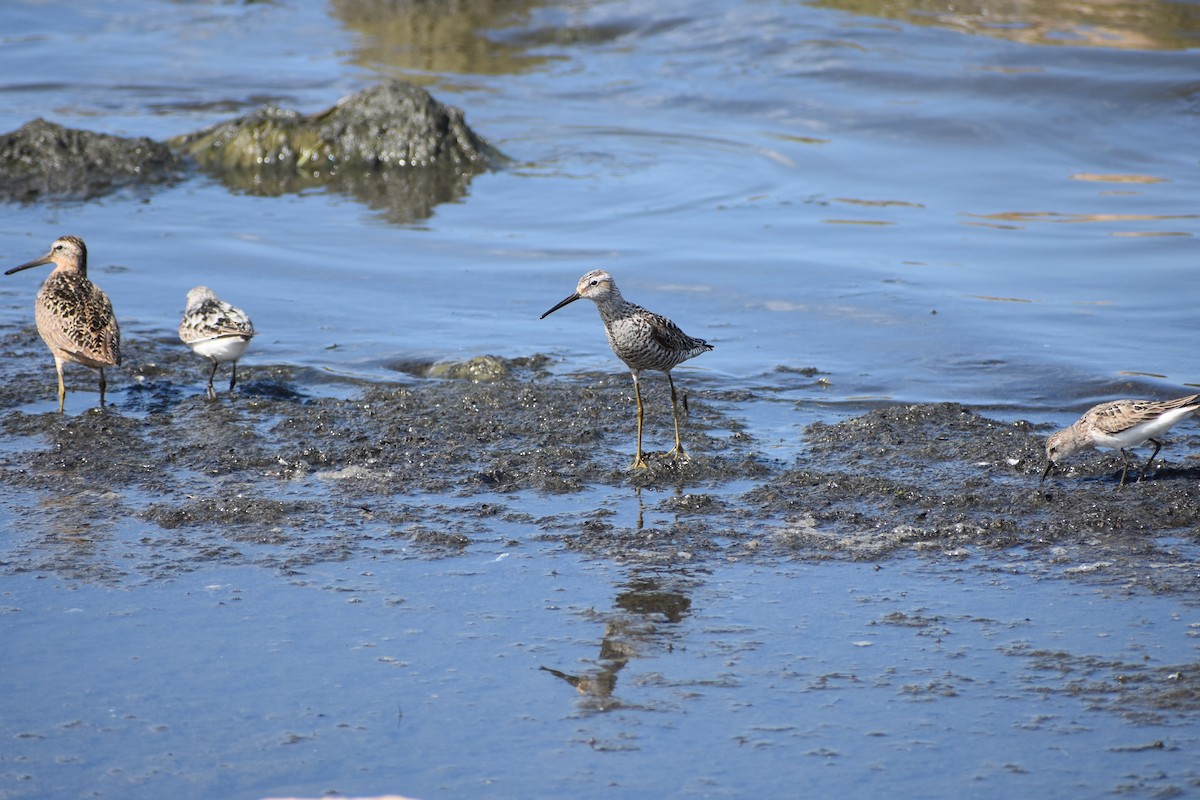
pixel 74 316
pixel 1120 425
pixel 216 330
pixel 640 338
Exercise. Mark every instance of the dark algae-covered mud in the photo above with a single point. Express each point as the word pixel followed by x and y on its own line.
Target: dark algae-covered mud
pixel 942 479
pixel 281 475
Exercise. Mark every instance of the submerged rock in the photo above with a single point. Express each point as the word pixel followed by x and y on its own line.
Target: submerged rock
pixel 393 125
pixel 480 369
pixel 393 146
pixel 42 159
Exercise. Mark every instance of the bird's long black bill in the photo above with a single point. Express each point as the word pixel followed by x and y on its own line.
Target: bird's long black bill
pixel 566 301
pixel 35 263
pixel 1046 471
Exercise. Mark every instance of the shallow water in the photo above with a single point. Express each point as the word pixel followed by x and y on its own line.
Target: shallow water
pixel 921 206
pixel 428 675
pixel 802 186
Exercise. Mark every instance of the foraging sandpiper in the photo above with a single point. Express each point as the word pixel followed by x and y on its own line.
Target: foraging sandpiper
pixel 216 330
pixel 74 316
pixel 1120 425
pixel 640 338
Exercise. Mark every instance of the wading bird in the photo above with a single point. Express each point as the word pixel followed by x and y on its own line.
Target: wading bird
pixel 642 339
pixel 1120 425
pixel 216 330
pixel 74 316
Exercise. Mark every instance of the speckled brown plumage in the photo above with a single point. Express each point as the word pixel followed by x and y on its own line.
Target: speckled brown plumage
pixel 640 338
pixel 74 316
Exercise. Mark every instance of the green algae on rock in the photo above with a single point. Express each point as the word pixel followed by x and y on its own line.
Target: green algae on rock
pixel 43 159
pixel 480 369
pixel 393 147
pixel 393 125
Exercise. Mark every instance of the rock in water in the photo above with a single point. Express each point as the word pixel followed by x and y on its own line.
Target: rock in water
pixel 394 125
pixel 43 159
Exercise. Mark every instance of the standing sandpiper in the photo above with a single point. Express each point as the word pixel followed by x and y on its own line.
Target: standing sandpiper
pixel 640 338
pixel 74 316
pixel 1120 425
pixel 216 330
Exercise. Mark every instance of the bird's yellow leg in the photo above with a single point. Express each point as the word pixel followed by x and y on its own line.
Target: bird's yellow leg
pixel 638 461
pixel 678 452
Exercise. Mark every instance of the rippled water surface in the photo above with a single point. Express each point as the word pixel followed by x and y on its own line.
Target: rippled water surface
pixel 995 206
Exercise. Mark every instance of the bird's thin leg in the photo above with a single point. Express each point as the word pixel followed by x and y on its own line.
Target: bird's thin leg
pixel 62 389
pixel 103 385
pixel 233 379
pixel 678 452
pixel 212 393
pixel 1125 469
pixel 638 461
pixel 1157 446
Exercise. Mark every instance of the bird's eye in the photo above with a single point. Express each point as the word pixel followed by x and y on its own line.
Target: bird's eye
pixel 595 282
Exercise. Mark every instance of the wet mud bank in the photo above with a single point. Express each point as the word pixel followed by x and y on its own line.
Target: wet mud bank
pixel 942 480
pixel 164 478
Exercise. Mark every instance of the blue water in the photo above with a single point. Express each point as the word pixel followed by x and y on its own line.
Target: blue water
pixel 923 207
pixel 800 186
pixel 423 677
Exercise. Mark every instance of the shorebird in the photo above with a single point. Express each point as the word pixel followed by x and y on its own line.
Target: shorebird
pixel 1120 425
pixel 74 316
pixel 640 338
pixel 216 330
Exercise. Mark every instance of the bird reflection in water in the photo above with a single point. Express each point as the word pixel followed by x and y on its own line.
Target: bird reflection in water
pixel 641 623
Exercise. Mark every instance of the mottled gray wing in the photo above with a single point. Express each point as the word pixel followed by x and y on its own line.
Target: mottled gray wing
pixel 668 334
pixel 1121 415
pixel 212 319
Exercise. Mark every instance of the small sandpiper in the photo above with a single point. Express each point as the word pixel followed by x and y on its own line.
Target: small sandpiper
pixel 216 330
pixel 74 316
pixel 1120 425
pixel 640 338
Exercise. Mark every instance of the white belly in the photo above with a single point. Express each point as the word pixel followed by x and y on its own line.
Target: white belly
pixel 222 348
pixel 1151 429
